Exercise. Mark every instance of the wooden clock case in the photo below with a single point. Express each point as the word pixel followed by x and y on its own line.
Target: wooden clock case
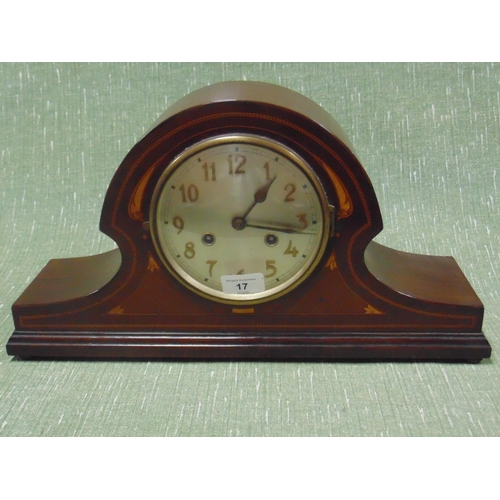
pixel 364 301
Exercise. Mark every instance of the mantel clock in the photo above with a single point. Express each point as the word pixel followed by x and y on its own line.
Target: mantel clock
pixel 244 225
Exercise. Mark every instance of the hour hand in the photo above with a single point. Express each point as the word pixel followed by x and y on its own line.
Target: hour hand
pixel 260 196
pixel 261 193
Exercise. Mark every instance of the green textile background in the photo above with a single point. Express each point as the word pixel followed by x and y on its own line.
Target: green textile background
pixel 428 136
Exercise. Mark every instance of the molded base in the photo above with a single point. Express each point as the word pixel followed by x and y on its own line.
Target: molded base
pixel 470 347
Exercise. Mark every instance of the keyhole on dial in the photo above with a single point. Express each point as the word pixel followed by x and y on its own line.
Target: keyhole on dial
pixel 208 239
pixel 271 240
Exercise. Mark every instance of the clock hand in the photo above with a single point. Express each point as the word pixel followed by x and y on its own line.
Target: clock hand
pixel 260 196
pixel 289 230
pixel 261 193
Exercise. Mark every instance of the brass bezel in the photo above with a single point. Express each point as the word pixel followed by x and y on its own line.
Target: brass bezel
pixel 218 296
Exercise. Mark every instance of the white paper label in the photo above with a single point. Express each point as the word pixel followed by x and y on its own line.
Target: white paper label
pixel 243 284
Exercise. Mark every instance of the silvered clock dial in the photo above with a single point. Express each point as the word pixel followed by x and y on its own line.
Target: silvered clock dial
pixel 240 219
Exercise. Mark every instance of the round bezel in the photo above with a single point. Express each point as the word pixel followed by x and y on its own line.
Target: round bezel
pixel 166 225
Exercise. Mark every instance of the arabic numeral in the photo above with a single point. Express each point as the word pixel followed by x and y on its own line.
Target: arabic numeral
pixel 236 164
pixel 190 193
pixel 189 252
pixel 209 172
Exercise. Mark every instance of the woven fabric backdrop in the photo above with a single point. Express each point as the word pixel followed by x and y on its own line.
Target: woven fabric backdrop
pixel 428 136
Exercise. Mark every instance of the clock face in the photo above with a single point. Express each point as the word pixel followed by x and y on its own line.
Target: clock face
pixel 240 219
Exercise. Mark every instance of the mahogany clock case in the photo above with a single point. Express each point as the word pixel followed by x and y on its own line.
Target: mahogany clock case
pixel 363 300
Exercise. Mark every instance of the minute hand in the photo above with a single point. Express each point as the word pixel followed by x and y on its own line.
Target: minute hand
pixel 288 230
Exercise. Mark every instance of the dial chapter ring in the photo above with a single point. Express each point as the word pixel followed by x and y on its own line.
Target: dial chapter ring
pixel 195 271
